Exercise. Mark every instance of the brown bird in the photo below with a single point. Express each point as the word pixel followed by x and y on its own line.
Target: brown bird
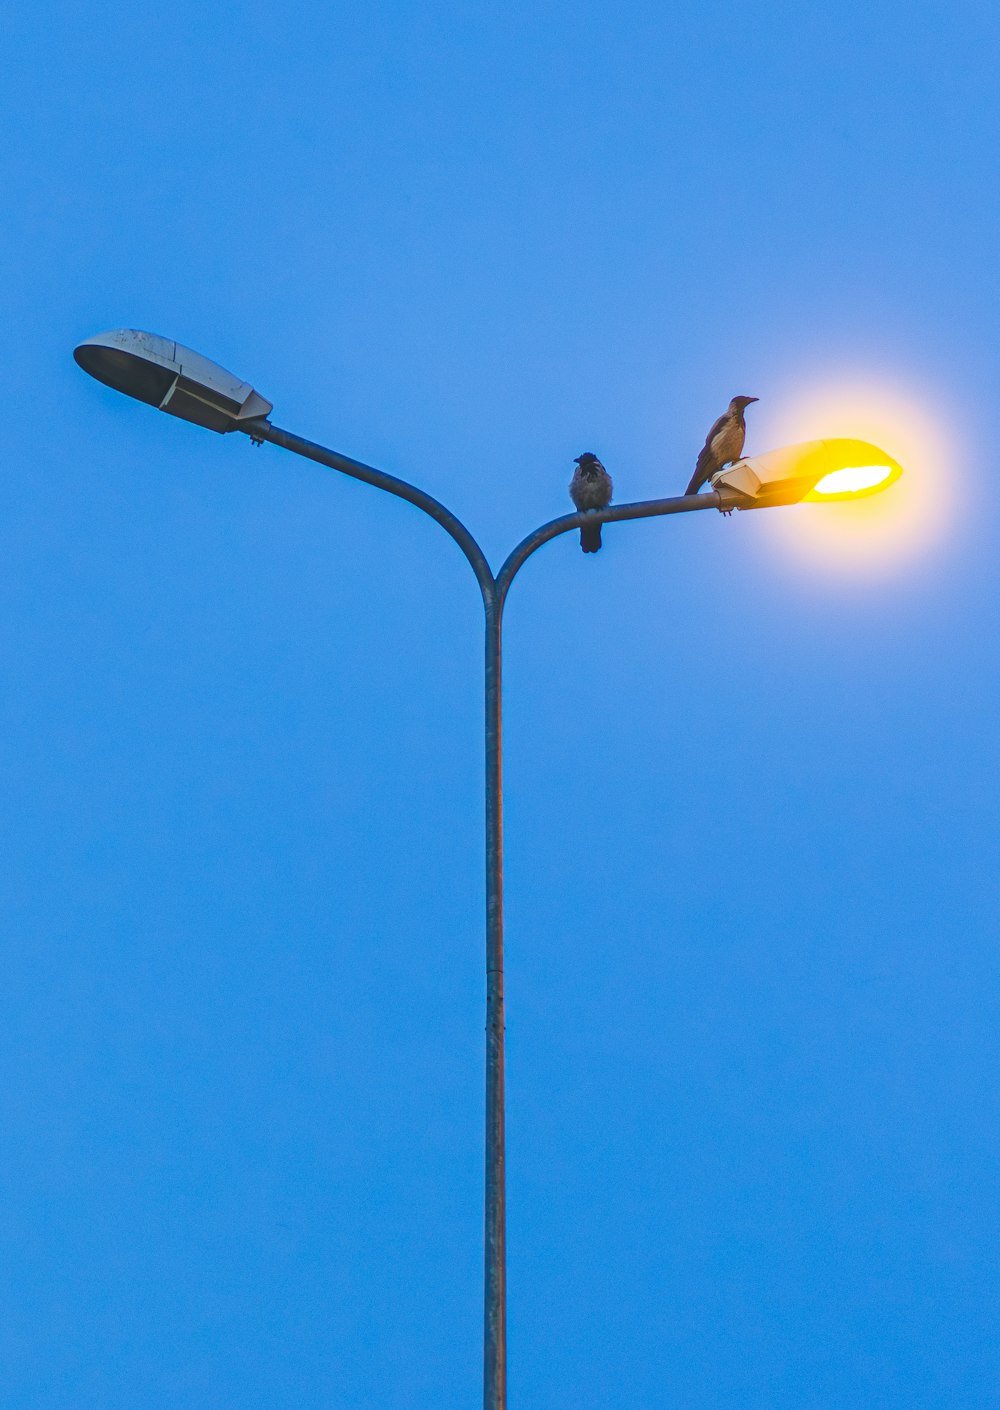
pixel 723 444
pixel 590 488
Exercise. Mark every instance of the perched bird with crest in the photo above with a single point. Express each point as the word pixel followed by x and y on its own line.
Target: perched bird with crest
pixel 723 444
pixel 590 488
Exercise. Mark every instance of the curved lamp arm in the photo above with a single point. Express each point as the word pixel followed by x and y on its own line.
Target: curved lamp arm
pixel 640 509
pixel 262 430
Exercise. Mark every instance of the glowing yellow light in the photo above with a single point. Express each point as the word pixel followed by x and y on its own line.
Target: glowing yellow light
pixel 854 479
pixel 861 535
pixel 837 468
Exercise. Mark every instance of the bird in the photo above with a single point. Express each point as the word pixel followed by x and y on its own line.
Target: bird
pixel 723 444
pixel 590 488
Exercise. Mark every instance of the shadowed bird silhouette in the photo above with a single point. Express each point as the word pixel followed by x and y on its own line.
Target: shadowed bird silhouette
pixel 723 444
pixel 590 488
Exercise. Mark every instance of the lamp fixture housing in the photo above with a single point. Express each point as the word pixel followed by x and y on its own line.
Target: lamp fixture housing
pixel 173 378
pixel 812 470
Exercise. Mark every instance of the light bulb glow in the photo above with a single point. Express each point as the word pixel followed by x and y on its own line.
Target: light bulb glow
pixel 854 479
pixel 911 518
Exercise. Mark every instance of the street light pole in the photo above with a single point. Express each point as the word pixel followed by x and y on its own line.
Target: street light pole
pixel 165 374
pixel 494 589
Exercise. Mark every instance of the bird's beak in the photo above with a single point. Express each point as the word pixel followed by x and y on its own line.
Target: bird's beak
pixel 750 399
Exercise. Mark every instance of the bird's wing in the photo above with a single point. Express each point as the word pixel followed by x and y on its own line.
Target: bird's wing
pixel 706 464
pixel 719 425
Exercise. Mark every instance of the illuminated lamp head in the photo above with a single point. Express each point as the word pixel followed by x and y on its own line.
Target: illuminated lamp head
pixel 813 470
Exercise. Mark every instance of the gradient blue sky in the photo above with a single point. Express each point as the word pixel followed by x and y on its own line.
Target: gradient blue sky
pixel 751 773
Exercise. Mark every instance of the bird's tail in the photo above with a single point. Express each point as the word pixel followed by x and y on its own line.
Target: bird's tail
pixel 590 538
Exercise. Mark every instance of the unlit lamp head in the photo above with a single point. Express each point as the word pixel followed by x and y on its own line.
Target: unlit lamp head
pixel 167 375
pixel 813 470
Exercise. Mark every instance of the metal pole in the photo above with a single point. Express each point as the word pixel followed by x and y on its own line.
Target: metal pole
pixel 495 1244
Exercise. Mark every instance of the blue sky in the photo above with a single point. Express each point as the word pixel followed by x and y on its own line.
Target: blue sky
pixel 751 774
